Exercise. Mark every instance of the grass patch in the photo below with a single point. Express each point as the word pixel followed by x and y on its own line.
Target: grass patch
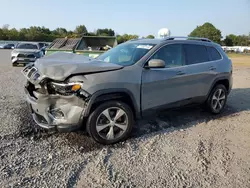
pixel 231 55
pixel 243 60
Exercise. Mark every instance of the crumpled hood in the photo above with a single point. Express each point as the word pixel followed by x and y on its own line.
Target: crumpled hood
pixel 25 51
pixel 60 65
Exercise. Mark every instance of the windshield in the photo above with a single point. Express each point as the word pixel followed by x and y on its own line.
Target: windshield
pixel 26 46
pixel 126 54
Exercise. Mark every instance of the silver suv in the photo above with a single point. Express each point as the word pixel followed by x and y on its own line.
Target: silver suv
pixel 66 91
pixel 25 53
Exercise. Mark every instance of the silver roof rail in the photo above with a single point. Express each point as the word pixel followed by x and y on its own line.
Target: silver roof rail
pixel 135 39
pixel 188 38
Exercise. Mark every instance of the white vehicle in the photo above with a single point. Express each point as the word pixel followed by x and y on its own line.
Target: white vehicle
pixel 25 53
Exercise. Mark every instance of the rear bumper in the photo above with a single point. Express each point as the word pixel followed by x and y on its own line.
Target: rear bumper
pixel 230 83
pixel 62 113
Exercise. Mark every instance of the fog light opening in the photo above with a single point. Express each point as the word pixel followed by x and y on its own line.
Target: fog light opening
pixel 57 113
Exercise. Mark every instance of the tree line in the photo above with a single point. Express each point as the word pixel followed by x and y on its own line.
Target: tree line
pixel 208 30
pixel 35 33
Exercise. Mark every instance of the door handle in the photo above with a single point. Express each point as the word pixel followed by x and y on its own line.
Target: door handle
pixel 180 73
pixel 212 68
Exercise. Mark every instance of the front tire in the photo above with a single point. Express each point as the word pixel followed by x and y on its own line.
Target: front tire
pixel 111 122
pixel 217 99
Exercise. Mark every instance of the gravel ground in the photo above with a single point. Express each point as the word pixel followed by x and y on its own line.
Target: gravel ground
pixel 184 148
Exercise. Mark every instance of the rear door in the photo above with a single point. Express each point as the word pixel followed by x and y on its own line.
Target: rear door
pixel 200 70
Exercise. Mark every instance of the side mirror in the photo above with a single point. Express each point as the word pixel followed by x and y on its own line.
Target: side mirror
pixel 156 63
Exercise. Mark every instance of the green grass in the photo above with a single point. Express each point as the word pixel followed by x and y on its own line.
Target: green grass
pixel 240 59
pixel 230 55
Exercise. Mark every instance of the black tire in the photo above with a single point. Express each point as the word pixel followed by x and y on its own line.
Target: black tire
pixel 91 124
pixel 210 102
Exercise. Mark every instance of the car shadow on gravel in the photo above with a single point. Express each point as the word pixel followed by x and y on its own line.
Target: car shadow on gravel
pixel 167 121
pixel 183 118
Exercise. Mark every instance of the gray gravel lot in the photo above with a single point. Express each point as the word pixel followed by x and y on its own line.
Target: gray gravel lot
pixel 184 148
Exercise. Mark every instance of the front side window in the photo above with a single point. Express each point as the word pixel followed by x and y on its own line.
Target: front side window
pixel 171 54
pixel 41 45
pixel 27 46
pixel 195 54
pixel 214 54
pixel 126 54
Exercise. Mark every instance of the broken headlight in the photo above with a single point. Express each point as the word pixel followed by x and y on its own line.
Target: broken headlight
pixel 66 89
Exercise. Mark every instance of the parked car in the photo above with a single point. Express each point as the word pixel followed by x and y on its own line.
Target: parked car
pixel 43 46
pixel 140 77
pixel 8 46
pixel 25 53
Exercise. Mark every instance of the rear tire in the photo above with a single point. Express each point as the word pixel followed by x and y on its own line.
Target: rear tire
pixel 217 99
pixel 111 122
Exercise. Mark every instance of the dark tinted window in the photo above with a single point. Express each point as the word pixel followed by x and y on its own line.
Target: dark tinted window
pixel 171 54
pixel 214 54
pixel 195 54
pixel 41 45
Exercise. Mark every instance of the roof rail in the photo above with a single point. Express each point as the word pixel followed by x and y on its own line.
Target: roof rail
pixel 134 39
pixel 188 38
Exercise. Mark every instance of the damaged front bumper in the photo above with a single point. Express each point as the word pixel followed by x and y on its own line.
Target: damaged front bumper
pixel 64 113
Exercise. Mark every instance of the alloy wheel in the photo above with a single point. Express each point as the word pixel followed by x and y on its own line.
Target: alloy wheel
pixel 112 123
pixel 218 100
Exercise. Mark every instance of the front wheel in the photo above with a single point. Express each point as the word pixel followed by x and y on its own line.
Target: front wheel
pixel 111 122
pixel 217 99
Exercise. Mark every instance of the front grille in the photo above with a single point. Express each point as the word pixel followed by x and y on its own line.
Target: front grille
pixel 32 70
pixel 21 55
pixel 26 55
pixel 32 74
pixel 26 69
pixel 30 56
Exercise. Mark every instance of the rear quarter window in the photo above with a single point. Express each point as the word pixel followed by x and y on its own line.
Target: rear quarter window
pixel 214 54
pixel 195 54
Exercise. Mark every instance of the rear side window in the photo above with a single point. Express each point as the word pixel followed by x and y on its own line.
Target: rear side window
pixel 195 54
pixel 214 54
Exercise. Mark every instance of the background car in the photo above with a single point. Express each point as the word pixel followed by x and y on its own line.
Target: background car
pixel 25 53
pixel 43 46
pixel 8 46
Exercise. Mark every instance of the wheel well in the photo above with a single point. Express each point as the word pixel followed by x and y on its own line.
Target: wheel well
pixel 121 96
pixel 224 82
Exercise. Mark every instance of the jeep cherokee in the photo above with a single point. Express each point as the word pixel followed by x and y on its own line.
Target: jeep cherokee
pixel 106 94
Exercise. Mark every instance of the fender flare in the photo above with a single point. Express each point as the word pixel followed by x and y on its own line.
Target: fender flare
pixel 215 82
pixel 111 91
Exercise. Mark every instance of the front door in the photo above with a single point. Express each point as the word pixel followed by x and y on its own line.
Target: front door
pixel 164 87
